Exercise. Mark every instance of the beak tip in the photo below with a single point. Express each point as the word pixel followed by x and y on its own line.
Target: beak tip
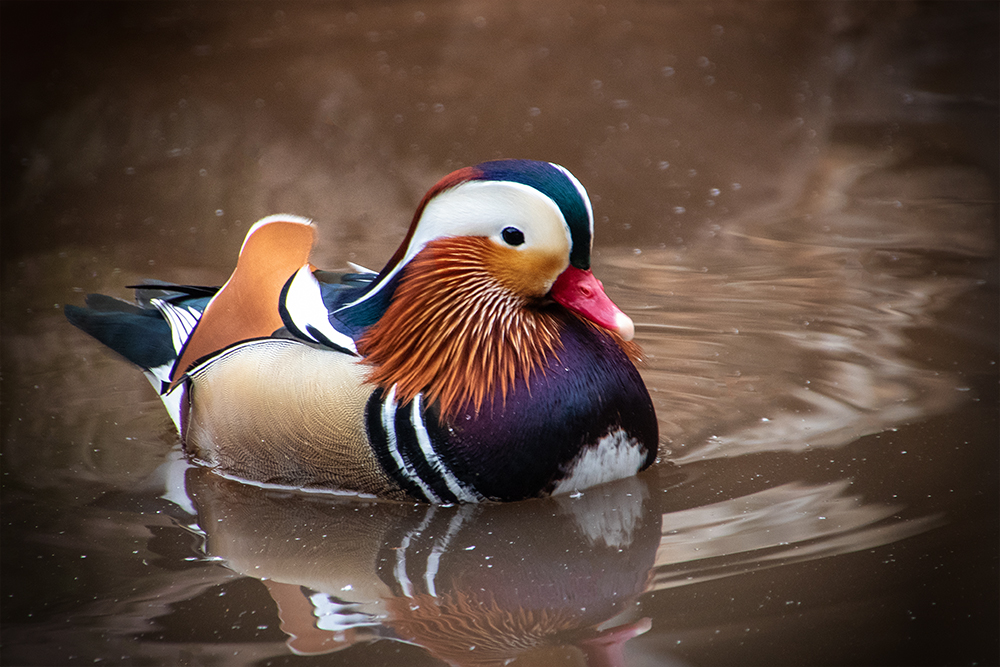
pixel 625 326
pixel 581 292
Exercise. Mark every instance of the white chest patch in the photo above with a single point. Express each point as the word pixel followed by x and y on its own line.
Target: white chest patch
pixel 616 456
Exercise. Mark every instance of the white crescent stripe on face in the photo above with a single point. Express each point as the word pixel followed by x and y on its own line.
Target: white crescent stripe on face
pixel 485 208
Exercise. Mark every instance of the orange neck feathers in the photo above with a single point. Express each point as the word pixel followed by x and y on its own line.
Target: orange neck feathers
pixel 454 332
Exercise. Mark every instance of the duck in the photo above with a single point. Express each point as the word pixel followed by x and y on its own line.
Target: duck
pixel 484 362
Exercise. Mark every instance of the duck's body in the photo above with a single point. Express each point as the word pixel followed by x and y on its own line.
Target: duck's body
pixel 484 362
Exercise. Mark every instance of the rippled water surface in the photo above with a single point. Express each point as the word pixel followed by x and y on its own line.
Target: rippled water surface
pixel 797 203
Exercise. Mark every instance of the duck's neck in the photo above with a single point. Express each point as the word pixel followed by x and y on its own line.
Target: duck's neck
pixel 454 333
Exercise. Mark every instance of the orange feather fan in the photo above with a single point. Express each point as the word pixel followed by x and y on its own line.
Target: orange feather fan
pixel 454 332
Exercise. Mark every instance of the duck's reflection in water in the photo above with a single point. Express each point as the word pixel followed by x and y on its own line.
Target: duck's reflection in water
pixel 473 584
pixel 479 585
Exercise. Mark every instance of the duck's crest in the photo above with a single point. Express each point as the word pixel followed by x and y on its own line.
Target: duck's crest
pixel 551 180
pixel 247 305
pixel 559 185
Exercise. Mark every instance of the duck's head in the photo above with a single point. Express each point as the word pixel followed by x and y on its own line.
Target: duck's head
pixel 489 249
pixel 536 224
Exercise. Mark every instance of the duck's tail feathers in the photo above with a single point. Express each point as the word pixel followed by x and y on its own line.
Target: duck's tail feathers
pixel 159 289
pixel 141 335
pixel 171 327
pixel 150 334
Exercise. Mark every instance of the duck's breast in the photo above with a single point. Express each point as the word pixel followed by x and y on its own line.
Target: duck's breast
pixel 586 413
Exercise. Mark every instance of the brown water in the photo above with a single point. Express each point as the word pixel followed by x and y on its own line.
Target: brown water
pixel 796 202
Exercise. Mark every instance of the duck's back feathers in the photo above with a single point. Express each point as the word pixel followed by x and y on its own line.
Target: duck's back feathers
pixel 171 328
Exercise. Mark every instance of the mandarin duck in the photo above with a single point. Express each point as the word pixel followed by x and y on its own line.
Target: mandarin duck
pixel 484 362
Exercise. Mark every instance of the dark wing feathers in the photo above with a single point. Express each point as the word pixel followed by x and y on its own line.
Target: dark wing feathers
pixel 142 336
pixel 137 331
pixel 195 295
pixel 348 279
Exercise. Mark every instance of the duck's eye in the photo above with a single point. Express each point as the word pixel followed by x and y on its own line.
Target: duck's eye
pixel 512 236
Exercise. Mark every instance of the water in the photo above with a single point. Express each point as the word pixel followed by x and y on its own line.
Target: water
pixel 797 203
